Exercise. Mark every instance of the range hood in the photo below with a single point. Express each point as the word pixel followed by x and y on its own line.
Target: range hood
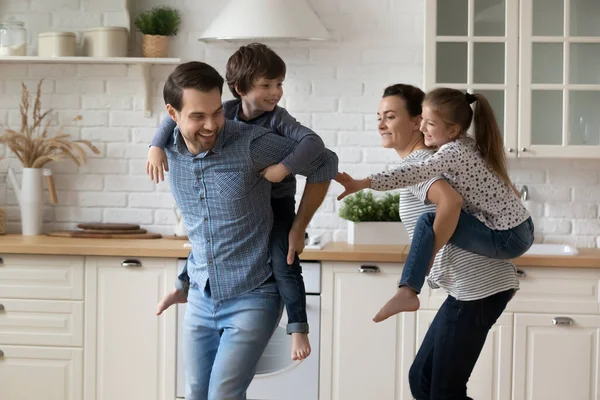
pixel 264 20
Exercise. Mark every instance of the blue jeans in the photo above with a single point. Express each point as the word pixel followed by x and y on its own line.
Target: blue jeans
pixel 224 341
pixel 471 235
pixel 289 277
pixel 452 345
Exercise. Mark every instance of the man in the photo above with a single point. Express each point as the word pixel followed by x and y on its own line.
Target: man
pixel 233 302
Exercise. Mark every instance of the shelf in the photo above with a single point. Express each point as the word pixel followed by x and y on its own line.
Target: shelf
pixel 144 64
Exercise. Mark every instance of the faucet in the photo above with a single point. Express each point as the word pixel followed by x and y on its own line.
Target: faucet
pixel 524 193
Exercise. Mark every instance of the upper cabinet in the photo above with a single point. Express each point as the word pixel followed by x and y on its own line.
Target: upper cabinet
pixel 536 62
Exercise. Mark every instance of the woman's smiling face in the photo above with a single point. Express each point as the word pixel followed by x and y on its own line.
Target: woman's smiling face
pixel 396 126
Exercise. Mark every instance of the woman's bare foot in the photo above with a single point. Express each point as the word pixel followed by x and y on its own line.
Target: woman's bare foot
pixel 405 299
pixel 176 296
pixel 300 346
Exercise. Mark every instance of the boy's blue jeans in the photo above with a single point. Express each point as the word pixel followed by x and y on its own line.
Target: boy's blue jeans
pixel 288 277
pixel 223 341
pixel 471 235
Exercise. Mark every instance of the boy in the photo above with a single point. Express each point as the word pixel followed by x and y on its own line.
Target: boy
pixel 255 76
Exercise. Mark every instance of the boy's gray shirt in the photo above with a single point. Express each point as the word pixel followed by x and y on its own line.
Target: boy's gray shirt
pixel 279 121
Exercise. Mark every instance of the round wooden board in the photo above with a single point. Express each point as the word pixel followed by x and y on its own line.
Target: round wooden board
pixel 114 231
pixel 175 237
pixel 108 227
pixel 81 234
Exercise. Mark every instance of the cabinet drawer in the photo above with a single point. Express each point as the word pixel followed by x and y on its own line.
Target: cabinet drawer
pixel 41 277
pixel 41 322
pixel 565 290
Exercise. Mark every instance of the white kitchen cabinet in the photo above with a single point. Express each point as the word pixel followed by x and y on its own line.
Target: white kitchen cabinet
pixel 491 378
pixel 129 351
pixel 34 373
pixel 359 358
pixel 536 62
pixel 556 357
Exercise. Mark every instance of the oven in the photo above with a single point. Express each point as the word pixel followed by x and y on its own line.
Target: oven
pixel 277 376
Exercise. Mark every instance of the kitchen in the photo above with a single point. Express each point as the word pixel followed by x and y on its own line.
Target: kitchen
pixel 333 87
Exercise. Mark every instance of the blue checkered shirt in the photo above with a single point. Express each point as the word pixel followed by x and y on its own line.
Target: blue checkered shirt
pixel 226 204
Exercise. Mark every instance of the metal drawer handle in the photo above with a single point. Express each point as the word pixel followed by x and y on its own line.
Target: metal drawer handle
pixel 2 307
pixel 562 321
pixel 369 269
pixel 521 273
pixel 131 263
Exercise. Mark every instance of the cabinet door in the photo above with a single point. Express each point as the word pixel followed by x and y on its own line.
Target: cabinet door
pixel 559 80
pixel 359 358
pixel 34 373
pixel 556 357
pixel 472 45
pixel 491 377
pixel 129 351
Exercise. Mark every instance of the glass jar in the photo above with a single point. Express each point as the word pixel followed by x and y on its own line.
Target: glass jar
pixel 13 38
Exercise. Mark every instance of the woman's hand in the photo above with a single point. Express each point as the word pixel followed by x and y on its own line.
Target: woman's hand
pixel 350 184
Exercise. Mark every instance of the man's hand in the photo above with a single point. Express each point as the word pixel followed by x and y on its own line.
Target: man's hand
pixel 156 162
pixel 350 184
pixel 275 173
pixel 296 243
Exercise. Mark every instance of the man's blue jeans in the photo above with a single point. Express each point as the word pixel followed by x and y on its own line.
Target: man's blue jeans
pixel 223 341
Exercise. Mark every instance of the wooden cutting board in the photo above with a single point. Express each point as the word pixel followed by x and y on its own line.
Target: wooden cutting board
pixel 107 235
pixel 175 237
pixel 114 231
pixel 108 227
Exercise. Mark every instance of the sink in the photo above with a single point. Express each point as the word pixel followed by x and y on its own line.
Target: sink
pixel 551 250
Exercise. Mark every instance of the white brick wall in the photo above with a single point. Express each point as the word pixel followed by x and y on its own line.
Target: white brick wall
pixel 331 87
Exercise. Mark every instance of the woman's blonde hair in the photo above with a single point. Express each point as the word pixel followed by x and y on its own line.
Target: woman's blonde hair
pixel 453 106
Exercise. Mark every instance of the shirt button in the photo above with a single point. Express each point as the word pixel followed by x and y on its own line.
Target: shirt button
pixel 205 219
pixel 207 240
pixel 209 262
pixel 201 197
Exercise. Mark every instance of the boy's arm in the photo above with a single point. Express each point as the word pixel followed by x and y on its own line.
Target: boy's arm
pixel 164 133
pixel 309 147
pixel 410 173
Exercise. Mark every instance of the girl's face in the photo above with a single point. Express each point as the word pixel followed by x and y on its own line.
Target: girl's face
pixel 396 126
pixel 436 131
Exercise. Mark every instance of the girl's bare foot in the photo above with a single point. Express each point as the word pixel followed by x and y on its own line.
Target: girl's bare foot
pixel 300 346
pixel 405 299
pixel 176 296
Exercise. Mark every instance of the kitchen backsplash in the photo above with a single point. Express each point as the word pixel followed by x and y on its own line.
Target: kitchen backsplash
pixel 332 87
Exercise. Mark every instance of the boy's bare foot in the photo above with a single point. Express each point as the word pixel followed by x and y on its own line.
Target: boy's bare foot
pixel 300 346
pixel 405 299
pixel 176 296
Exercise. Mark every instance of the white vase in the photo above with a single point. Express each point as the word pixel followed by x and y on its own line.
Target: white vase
pixel 389 233
pixel 30 195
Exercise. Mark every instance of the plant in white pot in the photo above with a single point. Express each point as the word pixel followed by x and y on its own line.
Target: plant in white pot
pixel 373 220
pixel 34 147
pixel 157 24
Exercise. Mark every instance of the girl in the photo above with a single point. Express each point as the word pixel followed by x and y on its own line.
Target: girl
pixel 493 223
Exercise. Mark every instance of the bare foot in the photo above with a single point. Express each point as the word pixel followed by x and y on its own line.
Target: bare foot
pixel 176 296
pixel 405 299
pixel 300 346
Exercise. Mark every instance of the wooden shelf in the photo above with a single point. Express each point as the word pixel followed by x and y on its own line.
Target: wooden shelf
pixel 144 65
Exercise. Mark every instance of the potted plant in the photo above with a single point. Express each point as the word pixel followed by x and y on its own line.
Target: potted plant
pixel 373 220
pixel 156 25
pixel 35 148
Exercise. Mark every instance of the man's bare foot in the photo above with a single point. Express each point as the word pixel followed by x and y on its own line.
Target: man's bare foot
pixel 300 346
pixel 176 296
pixel 405 299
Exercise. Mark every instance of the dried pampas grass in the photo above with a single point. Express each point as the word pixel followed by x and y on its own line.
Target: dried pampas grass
pixel 32 145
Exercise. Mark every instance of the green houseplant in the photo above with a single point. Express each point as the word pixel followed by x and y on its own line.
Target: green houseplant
pixel 373 220
pixel 156 25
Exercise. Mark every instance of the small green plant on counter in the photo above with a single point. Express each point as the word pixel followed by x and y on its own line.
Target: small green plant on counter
pixel 364 207
pixel 159 21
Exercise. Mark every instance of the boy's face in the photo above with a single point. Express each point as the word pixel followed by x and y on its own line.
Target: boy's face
pixel 265 93
pixel 200 120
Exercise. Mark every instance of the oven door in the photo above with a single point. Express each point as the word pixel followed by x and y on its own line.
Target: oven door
pixel 277 376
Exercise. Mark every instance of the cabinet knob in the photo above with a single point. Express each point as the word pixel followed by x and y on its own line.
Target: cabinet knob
pixel 562 321
pixel 521 273
pixel 510 150
pixel 523 149
pixel 131 263
pixel 369 269
pixel 2 307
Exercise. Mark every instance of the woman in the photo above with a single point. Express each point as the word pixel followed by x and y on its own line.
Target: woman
pixel 478 288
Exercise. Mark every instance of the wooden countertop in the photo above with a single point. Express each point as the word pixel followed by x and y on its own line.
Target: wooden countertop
pixel 337 251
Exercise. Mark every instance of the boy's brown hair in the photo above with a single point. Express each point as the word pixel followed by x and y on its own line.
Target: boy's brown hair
pixel 251 62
